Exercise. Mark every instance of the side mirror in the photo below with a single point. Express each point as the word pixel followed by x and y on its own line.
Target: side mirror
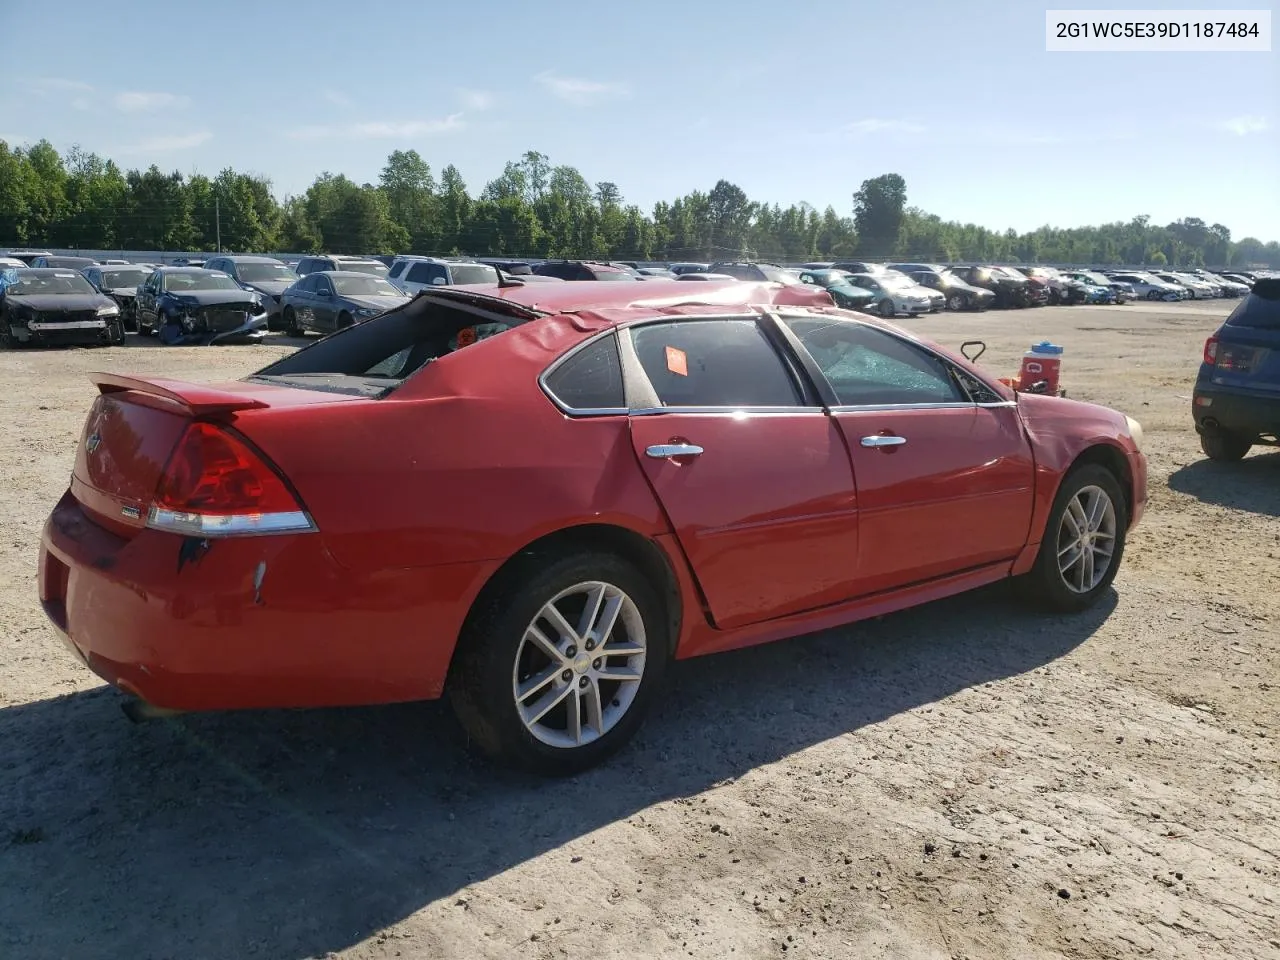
pixel 439 281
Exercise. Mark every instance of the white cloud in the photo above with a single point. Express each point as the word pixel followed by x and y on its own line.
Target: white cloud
pixel 138 101
pixel 876 125
pixel 184 141
pixel 380 129
pixel 476 99
pixel 1243 126
pixel 579 91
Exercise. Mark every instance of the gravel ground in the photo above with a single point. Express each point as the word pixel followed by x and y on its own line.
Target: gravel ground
pixel 962 780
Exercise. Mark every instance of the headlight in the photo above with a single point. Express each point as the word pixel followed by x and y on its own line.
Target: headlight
pixel 365 312
pixel 111 311
pixel 1135 432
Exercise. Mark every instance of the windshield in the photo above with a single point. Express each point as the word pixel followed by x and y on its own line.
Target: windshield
pixel 265 272
pixel 49 283
pixel 473 273
pixel 612 275
pixel 182 282
pixel 365 287
pixel 124 278
pixel 1095 278
pixel 371 266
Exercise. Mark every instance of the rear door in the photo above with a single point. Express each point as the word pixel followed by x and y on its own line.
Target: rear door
pixel 752 473
pixel 943 465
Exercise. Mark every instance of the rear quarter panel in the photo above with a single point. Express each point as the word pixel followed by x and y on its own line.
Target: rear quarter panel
pixel 467 461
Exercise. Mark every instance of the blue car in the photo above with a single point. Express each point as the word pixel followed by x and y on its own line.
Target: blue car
pixel 1236 402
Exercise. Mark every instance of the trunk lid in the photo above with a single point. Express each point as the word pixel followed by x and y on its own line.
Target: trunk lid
pixel 135 424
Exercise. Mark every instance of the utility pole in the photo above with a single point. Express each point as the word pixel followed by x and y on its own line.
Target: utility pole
pixel 217 221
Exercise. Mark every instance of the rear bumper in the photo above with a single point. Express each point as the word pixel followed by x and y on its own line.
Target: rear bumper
pixel 1234 411
pixel 185 628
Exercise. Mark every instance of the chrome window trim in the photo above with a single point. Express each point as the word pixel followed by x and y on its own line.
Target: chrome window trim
pixel 730 411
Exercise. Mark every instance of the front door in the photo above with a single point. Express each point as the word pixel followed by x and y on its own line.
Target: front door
pixel 752 473
pixel 945 478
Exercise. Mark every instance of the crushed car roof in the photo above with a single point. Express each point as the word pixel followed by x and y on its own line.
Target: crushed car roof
pixel 582 296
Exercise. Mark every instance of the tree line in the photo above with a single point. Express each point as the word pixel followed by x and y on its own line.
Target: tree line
pixel 536 208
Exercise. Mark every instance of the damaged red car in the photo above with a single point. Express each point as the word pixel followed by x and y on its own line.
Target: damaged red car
pixel 532 499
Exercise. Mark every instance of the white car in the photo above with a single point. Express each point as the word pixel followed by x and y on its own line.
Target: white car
pixel 893 295
pixel 1149 287
pixel 412 274
pixel 1229 287
pixel 1199 289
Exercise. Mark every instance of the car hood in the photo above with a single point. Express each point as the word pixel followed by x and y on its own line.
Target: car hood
pixel 209 298
pixel 273 287
pixel 60 301
pixel 376 303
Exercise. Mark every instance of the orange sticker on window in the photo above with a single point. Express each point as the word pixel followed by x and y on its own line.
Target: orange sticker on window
pixel 677 362
pixel 466 337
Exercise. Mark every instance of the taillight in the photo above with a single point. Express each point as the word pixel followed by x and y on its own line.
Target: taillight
pixel 1211 350
pixel 216 485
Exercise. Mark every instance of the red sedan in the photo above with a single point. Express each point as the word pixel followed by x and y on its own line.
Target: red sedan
pixel 533 498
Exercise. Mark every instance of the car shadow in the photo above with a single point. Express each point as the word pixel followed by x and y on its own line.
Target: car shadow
pixel 292 833
pixel 1253 484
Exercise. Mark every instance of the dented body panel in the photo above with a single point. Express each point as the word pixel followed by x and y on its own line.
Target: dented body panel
pixel 420 494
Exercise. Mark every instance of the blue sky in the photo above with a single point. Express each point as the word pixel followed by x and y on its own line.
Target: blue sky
pixel 795 102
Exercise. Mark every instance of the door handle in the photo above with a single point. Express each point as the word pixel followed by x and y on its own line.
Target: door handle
pixel 880 440
pixel 664 451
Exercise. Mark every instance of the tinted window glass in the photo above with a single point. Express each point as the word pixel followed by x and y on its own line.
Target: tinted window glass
pixel 866 366
pixel 419 273
pixel 591 379
pixel 1261 309
pixel 714 363
pixel 398 268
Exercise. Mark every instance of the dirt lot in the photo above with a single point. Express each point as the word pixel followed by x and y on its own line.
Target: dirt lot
pixel 963 780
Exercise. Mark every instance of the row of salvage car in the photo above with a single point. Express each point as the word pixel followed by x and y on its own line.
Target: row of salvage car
pixel 46 299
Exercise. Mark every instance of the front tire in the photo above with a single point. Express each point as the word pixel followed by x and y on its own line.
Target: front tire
pixel 1223 446
pixel 887 309
pixel 291 328
pixel 1083 542
pixel 559 661
pixel 344 320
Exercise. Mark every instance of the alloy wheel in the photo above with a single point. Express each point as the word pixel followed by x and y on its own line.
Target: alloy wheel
pixel 579 665
pixel 1086 539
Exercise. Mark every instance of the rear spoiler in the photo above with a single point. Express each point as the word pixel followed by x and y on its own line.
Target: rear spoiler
pixel 194 398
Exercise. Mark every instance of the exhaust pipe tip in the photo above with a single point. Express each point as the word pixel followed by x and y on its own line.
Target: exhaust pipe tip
pixel 139 711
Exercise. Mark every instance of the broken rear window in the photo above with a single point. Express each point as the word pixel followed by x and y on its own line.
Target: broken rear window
pixel 375 356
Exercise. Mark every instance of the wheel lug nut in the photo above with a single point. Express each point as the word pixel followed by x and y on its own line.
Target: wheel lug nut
pixel 591 644
pixel 582 682
pixel 567 675
pixel 595 665
pixel 571 652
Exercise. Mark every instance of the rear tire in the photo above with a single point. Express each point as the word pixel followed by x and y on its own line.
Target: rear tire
pixel 502 675
pixel 1089 515
pixel 1223 446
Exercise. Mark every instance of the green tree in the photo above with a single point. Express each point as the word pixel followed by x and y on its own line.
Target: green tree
pixel 878 211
